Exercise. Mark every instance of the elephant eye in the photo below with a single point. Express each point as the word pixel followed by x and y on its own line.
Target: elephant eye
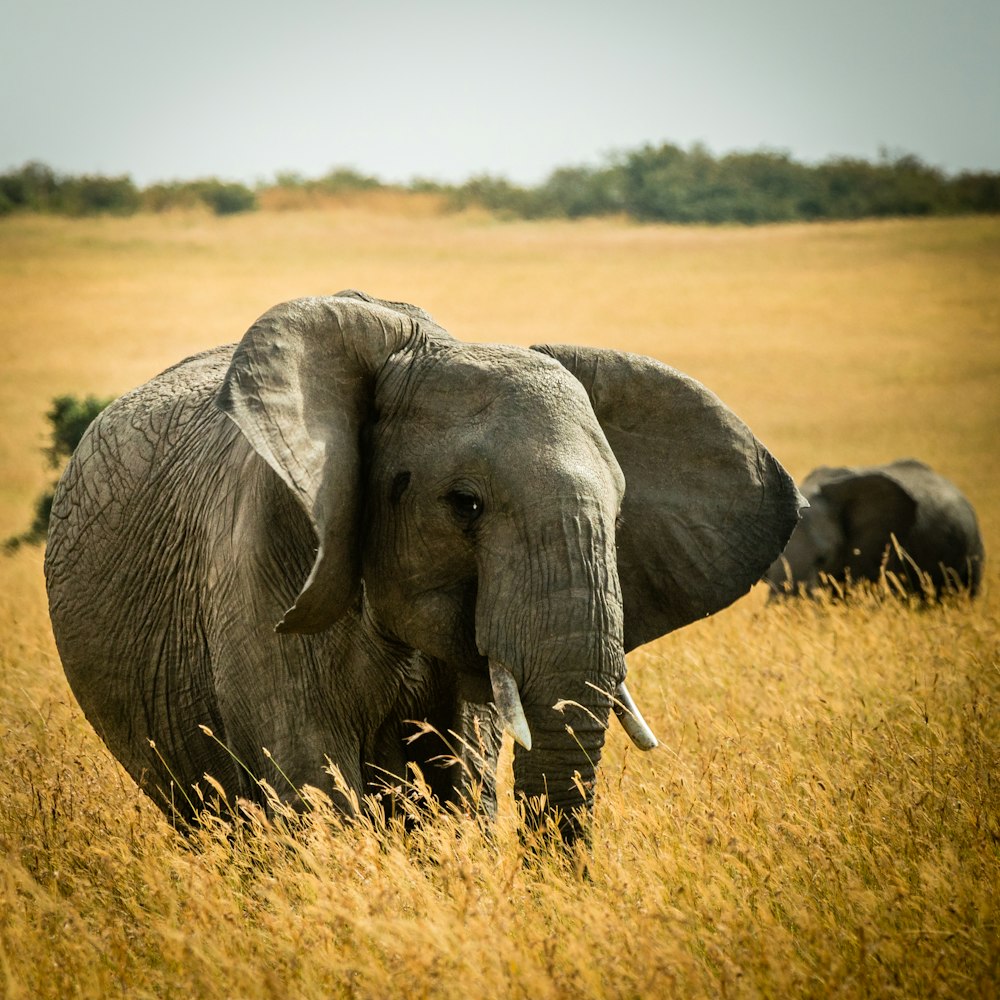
pixel 465 505
pixel 399 484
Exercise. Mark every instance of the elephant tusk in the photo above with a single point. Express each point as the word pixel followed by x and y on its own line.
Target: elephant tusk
pixel 631 719
pixel 508 702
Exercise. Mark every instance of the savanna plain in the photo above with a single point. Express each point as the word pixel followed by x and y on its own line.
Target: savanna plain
pixel 822 817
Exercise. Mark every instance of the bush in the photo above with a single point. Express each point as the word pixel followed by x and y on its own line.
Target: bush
pixel 497 195
pixel 32 187
pixel 70 417
pixel 339 180
pixel 575 192
pixel 977 192
pixel 163 197
pixel 97 196
pixel 37 188
pixel 222 197
pixel 342 180
pixel 226 198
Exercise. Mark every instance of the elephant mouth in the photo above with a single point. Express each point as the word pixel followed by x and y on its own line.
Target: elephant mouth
pixel 508 701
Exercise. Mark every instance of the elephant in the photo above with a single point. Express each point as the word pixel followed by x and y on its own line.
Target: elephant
pixel 352 545
pixel 901 518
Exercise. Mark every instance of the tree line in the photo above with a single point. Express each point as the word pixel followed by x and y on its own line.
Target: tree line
pixel 662 183
pixel 36 187
pixel 669 184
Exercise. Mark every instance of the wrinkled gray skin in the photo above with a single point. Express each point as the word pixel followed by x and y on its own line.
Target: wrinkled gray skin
pixel 853 515
pixel 351 520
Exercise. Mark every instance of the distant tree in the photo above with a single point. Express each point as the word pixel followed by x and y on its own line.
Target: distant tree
pixel 655 181
pixel 854 189
pixel 976 192
pixel 766 186
pixel 496 194
pixel 575 192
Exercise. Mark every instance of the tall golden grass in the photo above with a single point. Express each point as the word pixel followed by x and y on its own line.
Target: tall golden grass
pixel 823 815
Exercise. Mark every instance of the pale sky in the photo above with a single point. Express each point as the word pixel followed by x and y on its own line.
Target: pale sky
pixel 441 89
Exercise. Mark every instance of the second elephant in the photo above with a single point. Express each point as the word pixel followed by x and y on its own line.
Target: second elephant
pixel 902 519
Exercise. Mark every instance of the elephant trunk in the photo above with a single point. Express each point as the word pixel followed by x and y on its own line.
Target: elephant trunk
pixel 552 630
pixel 555 779
pixel 557 707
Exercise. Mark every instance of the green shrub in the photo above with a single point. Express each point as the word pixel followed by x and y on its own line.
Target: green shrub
pixel 33 186
pixel 70 417
pixel 338 181
pixel 344 179
pixel 575 192
pixel 222 197
pixel 36 188
pixel 97 196
pixel 496 194
pixel 977 192
pixel 226 198
pixel 169 195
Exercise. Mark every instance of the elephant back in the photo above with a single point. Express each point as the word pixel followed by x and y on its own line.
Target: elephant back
pixel 114 568
pixel 128 448
pixel 945 539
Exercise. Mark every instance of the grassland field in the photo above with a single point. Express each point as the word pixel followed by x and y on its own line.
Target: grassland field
pixel 822 818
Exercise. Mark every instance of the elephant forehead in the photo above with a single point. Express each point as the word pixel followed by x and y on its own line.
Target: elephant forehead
pixel 503 405
pixel 498 382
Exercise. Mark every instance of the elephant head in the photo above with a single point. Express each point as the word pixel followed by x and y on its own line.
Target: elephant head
pixel 851 520
pixel 524 516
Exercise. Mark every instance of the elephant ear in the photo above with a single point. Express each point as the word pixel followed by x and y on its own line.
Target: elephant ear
pixel 707 509
pixel 427 322
pixel 300 387
pixel 871 506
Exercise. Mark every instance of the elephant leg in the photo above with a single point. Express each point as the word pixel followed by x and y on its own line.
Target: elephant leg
pixel 457 754
pixel 454 747
pixel 478 725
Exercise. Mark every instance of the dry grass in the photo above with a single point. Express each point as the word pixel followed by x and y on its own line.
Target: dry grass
pixel 823 817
